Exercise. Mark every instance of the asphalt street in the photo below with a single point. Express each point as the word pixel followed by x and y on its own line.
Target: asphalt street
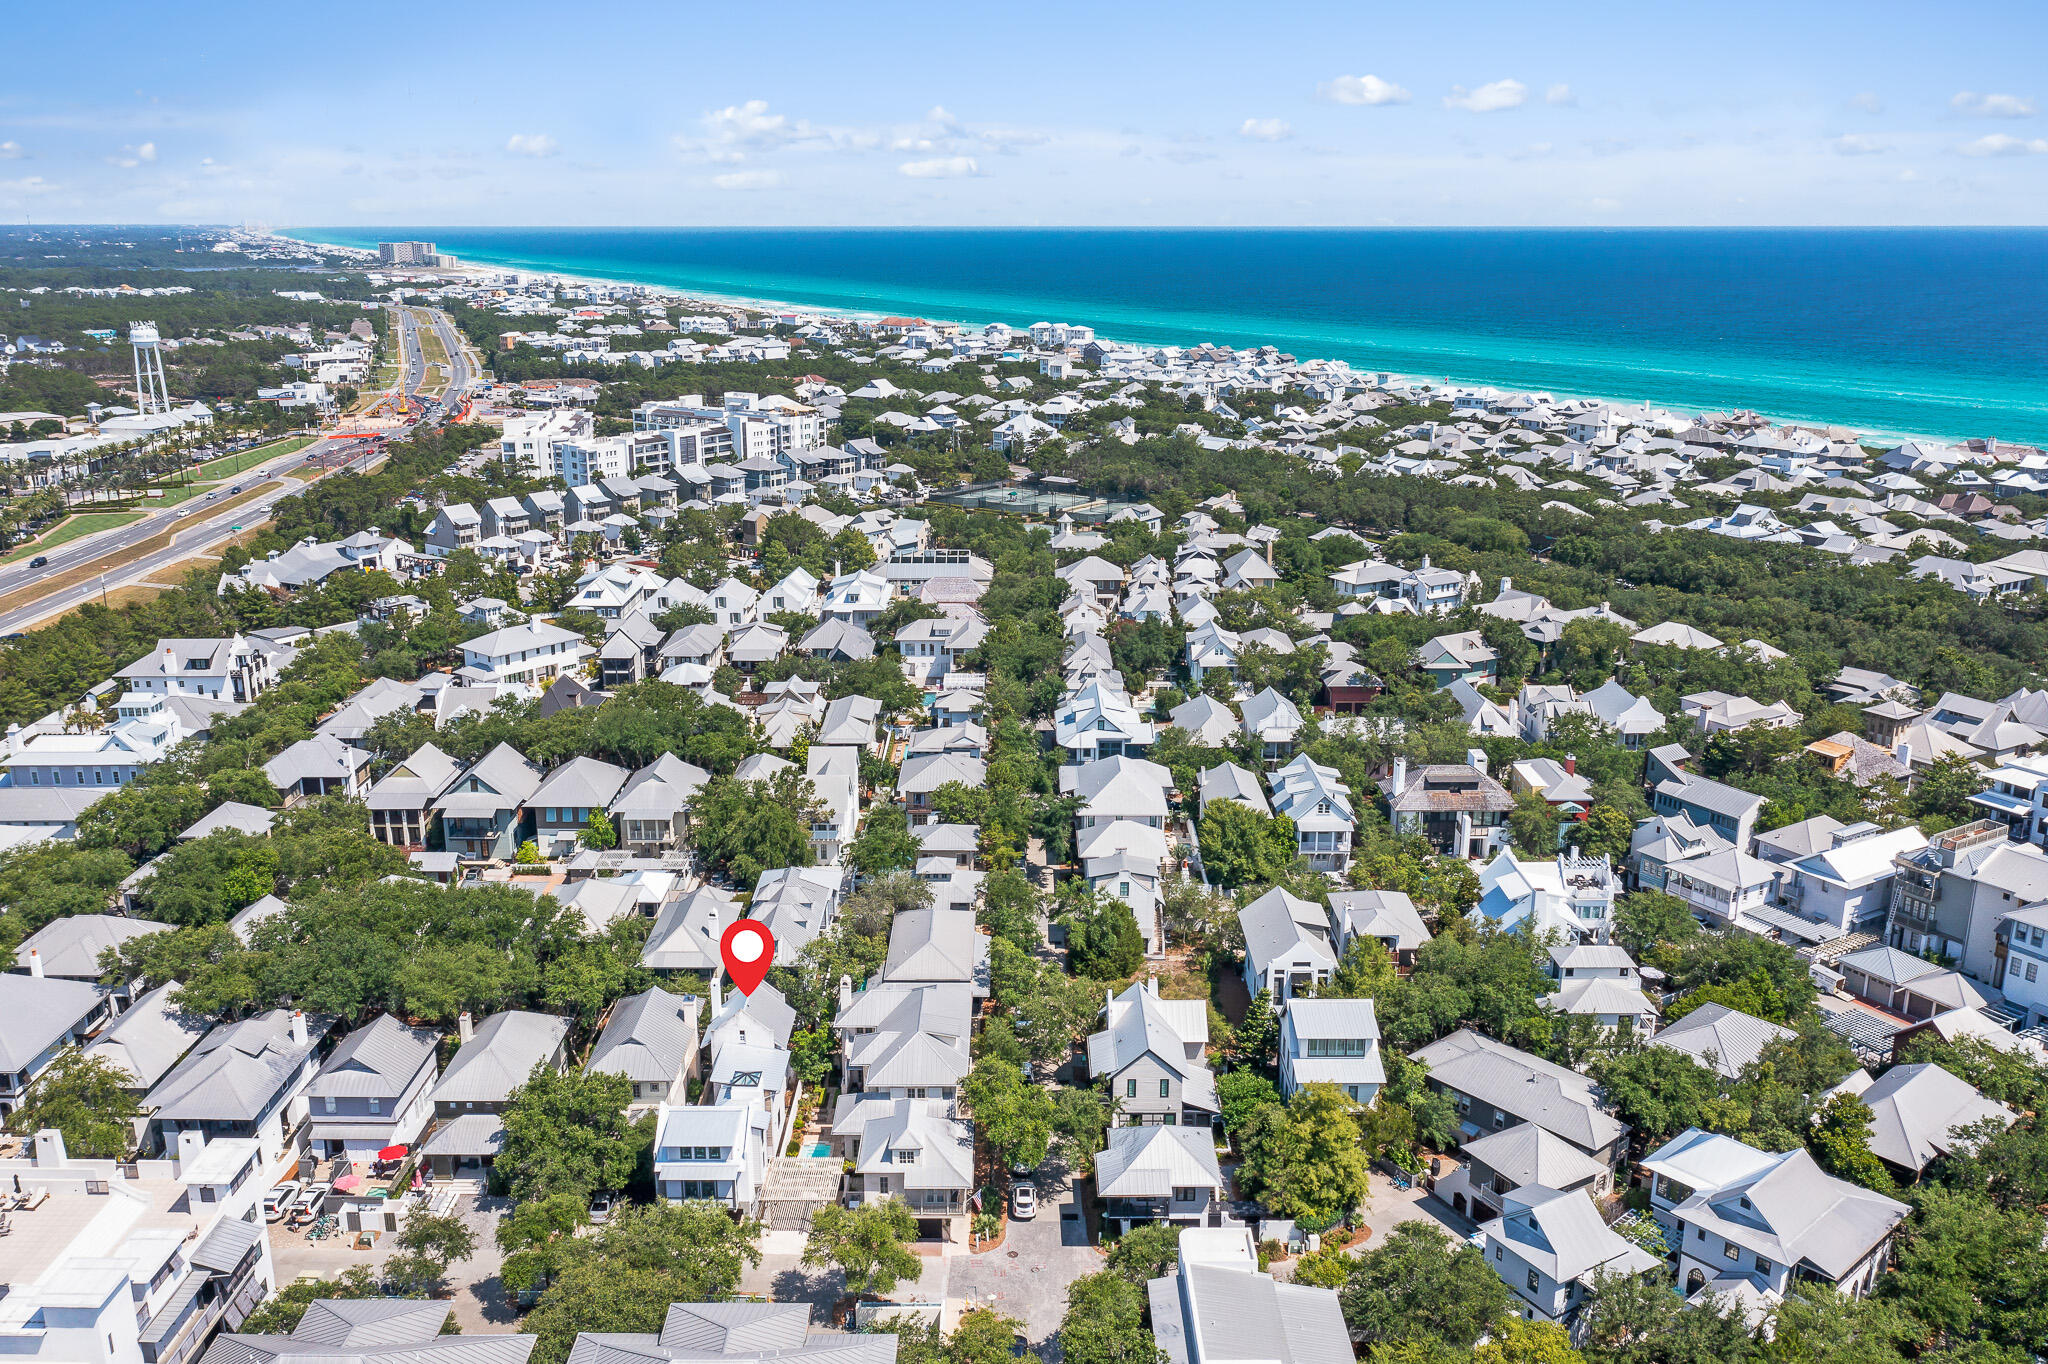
pixel 198 522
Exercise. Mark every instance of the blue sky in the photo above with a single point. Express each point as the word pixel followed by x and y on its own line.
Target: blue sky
pixel 1456 113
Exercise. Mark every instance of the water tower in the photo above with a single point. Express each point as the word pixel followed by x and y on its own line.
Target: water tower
pixel 152 396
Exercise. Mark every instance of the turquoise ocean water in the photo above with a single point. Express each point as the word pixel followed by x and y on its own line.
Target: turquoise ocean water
pixel 1926 332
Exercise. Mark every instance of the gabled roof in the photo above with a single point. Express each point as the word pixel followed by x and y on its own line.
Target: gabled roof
pixel 1720 1038
pixel 148 1039
pixel 500 1057
pixel 1915 1110
pixel 377 1060
pixel 1279 926
pixel 1380 914
pixel 648 1038
pixel 1560 1234
pixel 1152 1161
pixel 71 947
pixel 1527 1087
pixel 237 1069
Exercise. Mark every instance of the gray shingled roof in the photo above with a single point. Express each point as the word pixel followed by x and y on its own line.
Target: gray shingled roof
pixel 34 1013
pixel 648 1038
pixel 500 1057
pixel 1528 1087
pixel 377 1060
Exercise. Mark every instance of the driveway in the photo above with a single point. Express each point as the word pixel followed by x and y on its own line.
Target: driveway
pixel 1389 1208
pixel 480 1304
pixel 1026 1277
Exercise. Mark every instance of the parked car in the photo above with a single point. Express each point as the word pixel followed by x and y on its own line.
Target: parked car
pixel 601 1208
pixel 278 1201
pixel 307 1206
pixel 1023 1202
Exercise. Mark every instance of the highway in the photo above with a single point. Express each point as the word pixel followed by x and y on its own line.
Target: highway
pixel 195 525
pixel 198 522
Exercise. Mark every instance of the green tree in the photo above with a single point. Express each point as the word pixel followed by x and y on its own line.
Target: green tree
pixel 1105 1322
pixel 1606 831
pixel 1970 1270
pixel 1647 919
pixel 279 1314
pixel 1305 1160
pixel 1081 1118
pixel 1014 1118
pixel 537 1240
pixel 87 1099
pixel 870 1244
pixel 1840 1141
pixel 984 1336
pixel 623 1277
pixel 1242 847
pixel 1534 825
pixel 427 1246
pixel 1103 941
pixel 1418 1283
pixel 1243 1093
pixel 566 1133
pixel 1657 1091
pixel 1257 1039
pixel 1145 1253
pixel 884 843
pixel 598 833
pixel 1641 1319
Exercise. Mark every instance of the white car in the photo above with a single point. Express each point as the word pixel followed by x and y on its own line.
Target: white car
pixel 1023 1202
pixel 279 1200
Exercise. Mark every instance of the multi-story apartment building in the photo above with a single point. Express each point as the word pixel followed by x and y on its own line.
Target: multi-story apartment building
pixel 1951 896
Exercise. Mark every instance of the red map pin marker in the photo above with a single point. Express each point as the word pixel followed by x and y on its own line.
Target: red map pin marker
pixel 749 950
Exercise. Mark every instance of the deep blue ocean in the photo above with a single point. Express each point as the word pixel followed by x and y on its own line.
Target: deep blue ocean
pixel 1902 331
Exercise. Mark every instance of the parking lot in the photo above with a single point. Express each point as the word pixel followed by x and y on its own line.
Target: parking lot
pixel 479 1297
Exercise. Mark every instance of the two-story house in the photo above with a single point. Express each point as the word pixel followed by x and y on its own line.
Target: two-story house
pixel 1159 1174
pixel 1550 1246
pixel 717 1152
pixel 1150 1055
pixel 1287 951
pixel 482 811
pixel 1494 1086
pixel 244 1079
pixel 495 1058
pixel 374 1090
pixel 919 1152
pixel 650 1039
pixel 1332 1042
pixel 1742 1216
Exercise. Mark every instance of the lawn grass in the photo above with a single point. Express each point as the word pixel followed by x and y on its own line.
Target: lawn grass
pixel 230 465
pixel 70 528
pixel 184 492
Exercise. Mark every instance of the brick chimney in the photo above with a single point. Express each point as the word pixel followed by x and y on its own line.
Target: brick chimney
pixel 1571 764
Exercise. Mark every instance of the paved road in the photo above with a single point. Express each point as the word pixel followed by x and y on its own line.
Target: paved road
pixel 189 512
pixel 197 522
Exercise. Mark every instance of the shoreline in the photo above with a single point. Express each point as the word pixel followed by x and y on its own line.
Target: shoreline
pixel 474 267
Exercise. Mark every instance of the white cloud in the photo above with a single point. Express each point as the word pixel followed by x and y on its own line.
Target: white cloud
pixel 11 151
pixel 732 133
pixel 752 179
pixel 31 184
pixel 1503 94
pixel 1992 106
pixel 1857 144
pixel 530 144
pixel 146 152
pixel 1266 129
pixel 130 157
pixel 2004 144
pixel 940 168
pixel 1362 90
pixel 1867 103
pixel 1560 94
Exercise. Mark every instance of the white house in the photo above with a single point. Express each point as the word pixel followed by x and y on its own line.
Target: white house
pixel 1333 1042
